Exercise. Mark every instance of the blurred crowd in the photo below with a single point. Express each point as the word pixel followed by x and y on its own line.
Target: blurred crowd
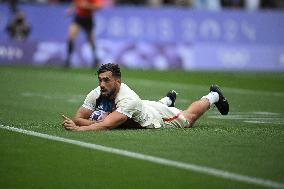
pixel 196 4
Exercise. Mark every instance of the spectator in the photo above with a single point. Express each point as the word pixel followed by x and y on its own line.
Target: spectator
pixel 18 29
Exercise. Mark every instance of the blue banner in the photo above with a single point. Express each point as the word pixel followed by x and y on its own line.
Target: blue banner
pixel 189 26
pixel 154 38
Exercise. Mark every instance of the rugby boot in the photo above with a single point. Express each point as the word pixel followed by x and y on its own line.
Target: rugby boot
pixel 172 94
pixel 222 105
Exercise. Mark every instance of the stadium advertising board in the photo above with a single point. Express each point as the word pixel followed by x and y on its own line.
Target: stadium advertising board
pixel 159 38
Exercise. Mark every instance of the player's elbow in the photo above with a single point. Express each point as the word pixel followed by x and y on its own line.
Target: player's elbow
pixel 77 121
pixel 102 127
pixel 110 126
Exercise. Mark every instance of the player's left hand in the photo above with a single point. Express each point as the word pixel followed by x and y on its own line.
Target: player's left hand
pixel 69 124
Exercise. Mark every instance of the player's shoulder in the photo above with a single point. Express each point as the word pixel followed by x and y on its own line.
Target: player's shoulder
pixel 126 93
pixel 123 86
pixel 126 90
pixel 95 93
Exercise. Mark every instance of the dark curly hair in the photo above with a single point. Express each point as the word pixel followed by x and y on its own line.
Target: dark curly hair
pixel 113 68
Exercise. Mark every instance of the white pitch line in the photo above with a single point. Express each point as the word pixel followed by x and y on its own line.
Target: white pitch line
pixel 153 159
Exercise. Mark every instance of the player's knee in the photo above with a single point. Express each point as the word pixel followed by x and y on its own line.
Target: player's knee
pixel 190 117
pixel 193 119
pixel 72 35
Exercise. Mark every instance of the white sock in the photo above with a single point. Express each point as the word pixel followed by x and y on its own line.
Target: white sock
pixel 166 100
pixel 213 97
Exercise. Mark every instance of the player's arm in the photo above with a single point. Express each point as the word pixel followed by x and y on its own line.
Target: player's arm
pixel 84 112
pixel 82 117
pixel 71 9
pixel 111 121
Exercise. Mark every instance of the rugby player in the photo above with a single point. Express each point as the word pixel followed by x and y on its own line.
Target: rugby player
pixel 126 105
pixel 83 19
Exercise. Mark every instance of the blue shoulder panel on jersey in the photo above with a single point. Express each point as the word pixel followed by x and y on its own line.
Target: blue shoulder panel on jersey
pixel 104 104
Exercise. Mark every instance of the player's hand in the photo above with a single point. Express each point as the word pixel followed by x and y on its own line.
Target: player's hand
pixel 69 124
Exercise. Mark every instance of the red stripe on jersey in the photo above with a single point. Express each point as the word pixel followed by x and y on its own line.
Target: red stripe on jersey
pixel 172 118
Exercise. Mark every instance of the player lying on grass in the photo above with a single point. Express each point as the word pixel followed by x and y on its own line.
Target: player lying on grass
pixel 124 105
pixel 104 106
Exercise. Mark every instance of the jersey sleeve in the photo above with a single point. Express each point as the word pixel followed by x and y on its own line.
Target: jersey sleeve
pixel 90 100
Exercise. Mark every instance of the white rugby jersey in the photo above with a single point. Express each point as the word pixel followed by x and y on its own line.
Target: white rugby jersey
pixel 128 103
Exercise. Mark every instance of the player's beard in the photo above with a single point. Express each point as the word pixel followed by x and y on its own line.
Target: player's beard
pixel 110 94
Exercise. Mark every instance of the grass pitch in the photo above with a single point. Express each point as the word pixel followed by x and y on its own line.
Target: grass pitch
pixel 249 141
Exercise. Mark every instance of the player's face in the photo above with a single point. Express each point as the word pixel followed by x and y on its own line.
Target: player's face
pixel 109 84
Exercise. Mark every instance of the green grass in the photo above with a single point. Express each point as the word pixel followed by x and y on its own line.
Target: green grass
pixel 249 141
